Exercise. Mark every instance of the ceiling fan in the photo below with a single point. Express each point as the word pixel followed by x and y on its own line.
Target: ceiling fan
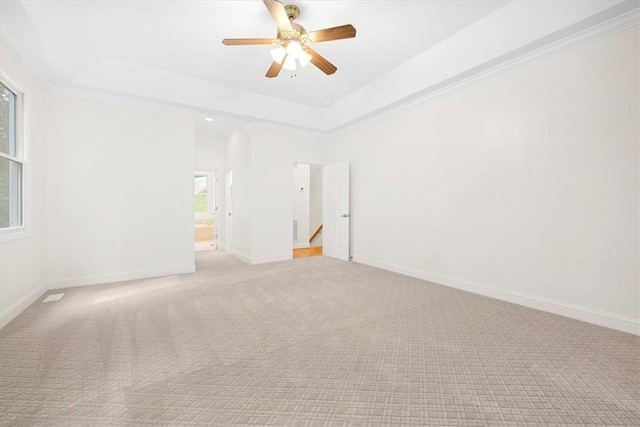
pixel 292 40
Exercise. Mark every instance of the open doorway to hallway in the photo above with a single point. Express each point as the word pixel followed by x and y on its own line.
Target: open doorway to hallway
pixel 307 210
pixel 204 210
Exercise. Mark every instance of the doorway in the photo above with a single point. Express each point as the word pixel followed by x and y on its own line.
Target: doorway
pixel 307 210
pixel 228 219
pixel 204 201
pixel 336 214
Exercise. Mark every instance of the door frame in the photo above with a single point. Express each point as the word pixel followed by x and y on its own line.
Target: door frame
pixel 228 210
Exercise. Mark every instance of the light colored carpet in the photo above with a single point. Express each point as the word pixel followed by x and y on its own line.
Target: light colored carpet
pixel 312 341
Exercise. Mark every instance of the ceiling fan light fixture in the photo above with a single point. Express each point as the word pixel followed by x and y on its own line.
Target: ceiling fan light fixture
pixel 290 63
pixel 294 48
pixel 289 47
pixel 278 54
pixel 304 58
pixel 296 56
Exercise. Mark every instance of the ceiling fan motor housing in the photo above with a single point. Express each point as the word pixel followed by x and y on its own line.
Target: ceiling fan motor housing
pixel 292 11
pixel 299 33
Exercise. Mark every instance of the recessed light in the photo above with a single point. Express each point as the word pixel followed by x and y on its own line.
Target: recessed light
pixel 209 119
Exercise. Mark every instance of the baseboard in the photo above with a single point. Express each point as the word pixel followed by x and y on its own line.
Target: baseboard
pixel 242 257
pixel 11 312
pixel 601 318
pixel 301 245
pixel 274 258
pixel 119 277
pixel 261 260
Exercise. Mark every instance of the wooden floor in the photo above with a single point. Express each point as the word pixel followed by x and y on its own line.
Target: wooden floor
pixel 306 252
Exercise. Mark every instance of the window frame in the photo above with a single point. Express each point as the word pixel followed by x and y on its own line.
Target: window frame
pixel 21 157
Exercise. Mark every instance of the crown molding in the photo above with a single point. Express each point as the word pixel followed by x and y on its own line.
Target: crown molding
pixel 104 96
pixel 572 41
pixel 516 59
pixel 37 77
pixel 107 97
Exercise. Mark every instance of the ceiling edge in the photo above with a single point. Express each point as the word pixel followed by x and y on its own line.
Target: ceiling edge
pixel 500 66
pixel 522 57
pixel 108 97
pixel 37 77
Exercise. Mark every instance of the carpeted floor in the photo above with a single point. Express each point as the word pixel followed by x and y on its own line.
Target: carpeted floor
pixel 313 341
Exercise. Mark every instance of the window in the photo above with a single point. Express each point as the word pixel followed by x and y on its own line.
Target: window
pixel 11 160
pixel 200 197
pixel 204 196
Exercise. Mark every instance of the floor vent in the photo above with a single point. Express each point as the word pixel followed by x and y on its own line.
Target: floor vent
pixel 53 297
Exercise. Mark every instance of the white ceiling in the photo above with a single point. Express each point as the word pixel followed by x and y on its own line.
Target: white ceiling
pixel 171 51
pixel 219 127
pixel 184 38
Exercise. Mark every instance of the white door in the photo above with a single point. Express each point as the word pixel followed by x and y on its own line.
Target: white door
pixel 335 210
pixel 228 220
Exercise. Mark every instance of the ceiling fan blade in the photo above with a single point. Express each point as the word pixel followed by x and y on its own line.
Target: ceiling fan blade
pixel 276 9
pixel 336 33
pixel 274 70
pixel 320 62
pixel 241 42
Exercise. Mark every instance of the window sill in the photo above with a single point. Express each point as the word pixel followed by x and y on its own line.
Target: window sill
pixel 15 233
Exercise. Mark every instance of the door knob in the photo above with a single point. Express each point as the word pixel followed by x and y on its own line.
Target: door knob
pixel 345 215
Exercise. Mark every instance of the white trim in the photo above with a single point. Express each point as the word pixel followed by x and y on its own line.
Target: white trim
pixel 218 216
pixel 599 30
pixel 117 98
pixel 105 96
pixel 271 258
pixel 242 257
pixel 11 312
pixel 14 233
pixel 39 79
pixel 585 314
pixel 603 29
pixel 261 260
pixel 301 245
pixel 120 277
pixel 12 158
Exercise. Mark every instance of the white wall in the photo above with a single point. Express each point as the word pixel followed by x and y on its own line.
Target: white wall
pixel 274 150
pixel 23 261
pixel 315 203
pixel 524 187
pixel 119 191
pixel 261 158
pixel 238 160
pixel 209 153
pixel 301 192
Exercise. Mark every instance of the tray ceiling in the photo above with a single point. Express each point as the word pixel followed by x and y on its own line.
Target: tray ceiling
pixel 172 52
